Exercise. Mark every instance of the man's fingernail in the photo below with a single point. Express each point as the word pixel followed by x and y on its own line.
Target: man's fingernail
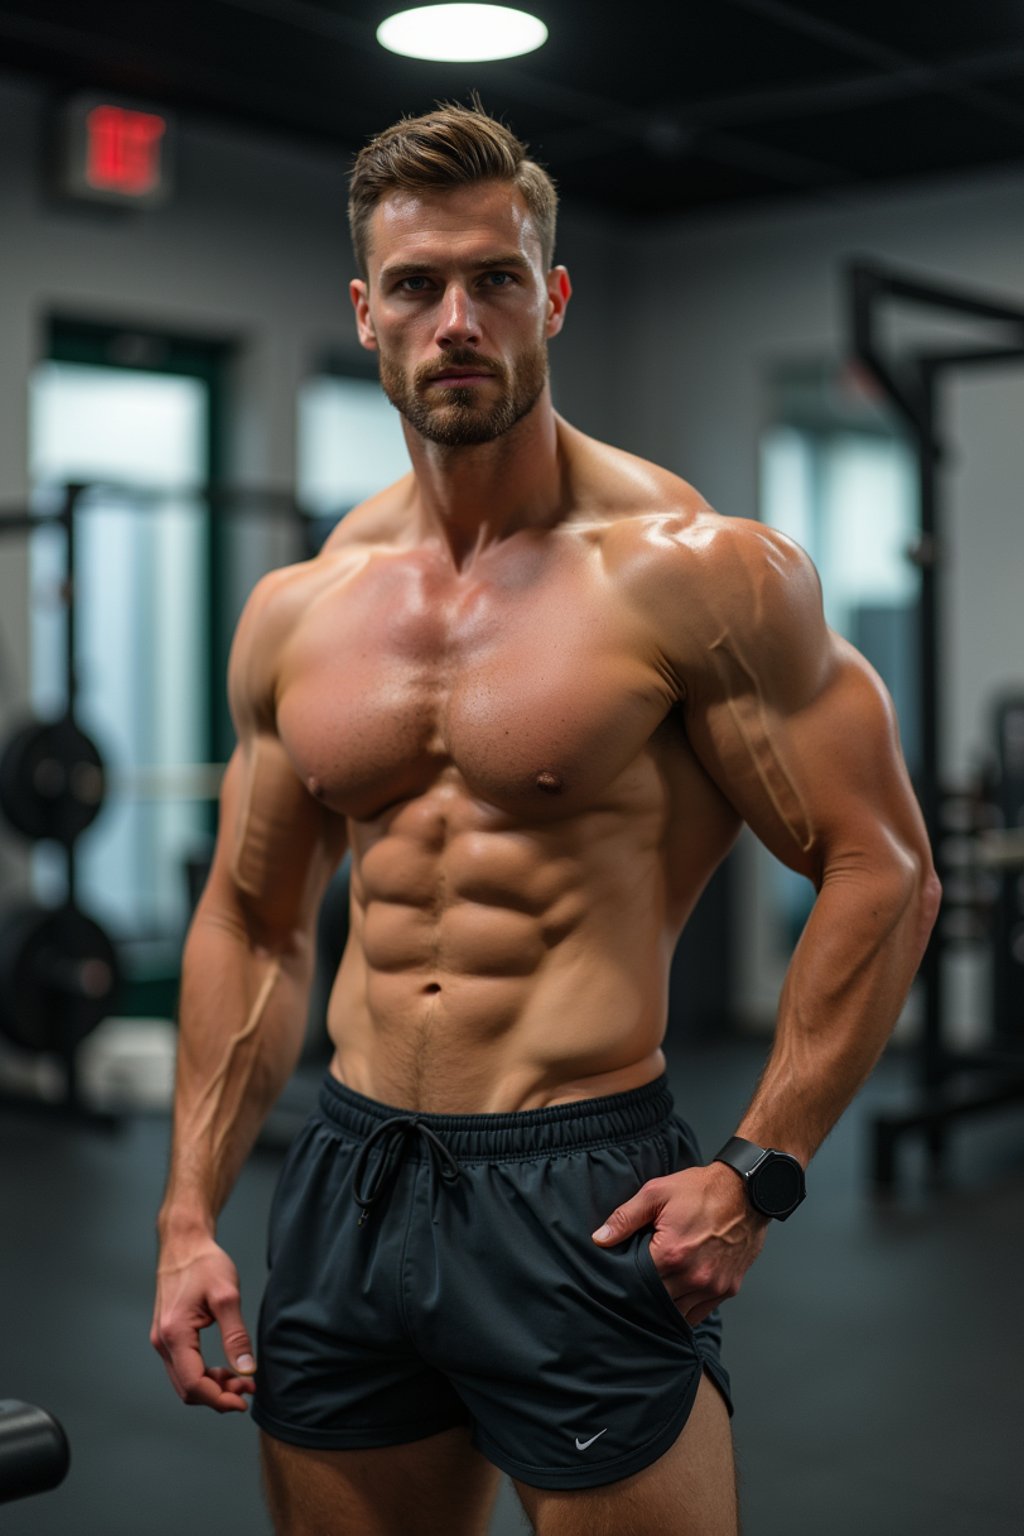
pixel 246 1363
pixel 602 1233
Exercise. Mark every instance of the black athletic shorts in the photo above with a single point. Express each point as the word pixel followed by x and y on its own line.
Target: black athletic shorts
pixel 433 1270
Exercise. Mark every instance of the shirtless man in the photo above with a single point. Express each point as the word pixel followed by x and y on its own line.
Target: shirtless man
pixel 535 687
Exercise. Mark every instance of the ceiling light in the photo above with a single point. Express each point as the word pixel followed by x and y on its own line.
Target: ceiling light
pixel 459 33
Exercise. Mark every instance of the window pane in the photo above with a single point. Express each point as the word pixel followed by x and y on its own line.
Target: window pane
pixel 350 444
pixel 866 518
pixel 111 423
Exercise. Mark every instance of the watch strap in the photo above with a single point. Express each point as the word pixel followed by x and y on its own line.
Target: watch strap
pixel 742 1155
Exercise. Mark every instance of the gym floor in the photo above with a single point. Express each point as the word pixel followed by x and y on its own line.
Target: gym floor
pixel 875 1350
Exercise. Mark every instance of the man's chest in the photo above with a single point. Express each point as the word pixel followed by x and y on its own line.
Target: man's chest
pixel 540 694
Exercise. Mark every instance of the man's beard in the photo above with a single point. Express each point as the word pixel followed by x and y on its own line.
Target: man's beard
pixel 454 416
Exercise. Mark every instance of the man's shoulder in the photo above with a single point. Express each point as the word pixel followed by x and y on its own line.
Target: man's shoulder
pixel 734 561
pixel 620 488
pixel 647 508
pixel 379 520
pixel 284 593
pixel 685 552
pixel 271 617
pixel 705 584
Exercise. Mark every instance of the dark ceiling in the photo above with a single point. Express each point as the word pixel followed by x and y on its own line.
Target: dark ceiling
pixel 648 109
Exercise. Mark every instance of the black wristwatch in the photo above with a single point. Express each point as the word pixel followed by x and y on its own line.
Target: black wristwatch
pixel 774 1180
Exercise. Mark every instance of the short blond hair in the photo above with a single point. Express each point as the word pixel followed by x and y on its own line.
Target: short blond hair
pixel 453 146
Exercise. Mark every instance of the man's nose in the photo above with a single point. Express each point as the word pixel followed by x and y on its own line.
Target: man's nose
pixel 458 324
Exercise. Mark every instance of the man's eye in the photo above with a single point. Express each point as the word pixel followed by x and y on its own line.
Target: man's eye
pixel 500 279
pixel 413 284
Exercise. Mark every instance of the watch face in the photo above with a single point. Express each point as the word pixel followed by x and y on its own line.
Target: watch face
pixel 778 1185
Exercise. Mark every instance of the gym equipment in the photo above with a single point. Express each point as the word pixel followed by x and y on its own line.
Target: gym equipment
pixel 58 977
pixel 59 971
pixel 952 1083
pixel 1007 846
pixel 34 1454
pixel 51 780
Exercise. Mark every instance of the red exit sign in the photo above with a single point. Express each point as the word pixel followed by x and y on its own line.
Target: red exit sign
pixel 114 153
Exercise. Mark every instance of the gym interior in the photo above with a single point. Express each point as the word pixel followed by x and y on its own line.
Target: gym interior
pixel 794 231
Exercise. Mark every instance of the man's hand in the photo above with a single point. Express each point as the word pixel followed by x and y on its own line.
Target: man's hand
pixel 195 1288
pixel 706 1235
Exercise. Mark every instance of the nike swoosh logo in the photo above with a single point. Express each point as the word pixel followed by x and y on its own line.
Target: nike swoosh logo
pixel 581 1445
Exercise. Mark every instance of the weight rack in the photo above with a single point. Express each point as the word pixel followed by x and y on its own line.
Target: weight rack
pixel 952 1084
pixel 74 500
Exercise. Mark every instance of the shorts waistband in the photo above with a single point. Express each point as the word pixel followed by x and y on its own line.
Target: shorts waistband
pixel 518 1133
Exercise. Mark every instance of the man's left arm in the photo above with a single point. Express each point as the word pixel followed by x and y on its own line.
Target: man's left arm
pixel 798 732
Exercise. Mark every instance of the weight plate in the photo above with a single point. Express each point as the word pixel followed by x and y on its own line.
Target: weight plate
pixel 51 780
pixel 58 977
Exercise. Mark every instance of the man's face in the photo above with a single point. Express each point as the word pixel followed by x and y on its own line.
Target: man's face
pixel 460 309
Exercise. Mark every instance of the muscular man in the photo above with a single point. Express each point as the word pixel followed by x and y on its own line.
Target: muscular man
pixel 535 687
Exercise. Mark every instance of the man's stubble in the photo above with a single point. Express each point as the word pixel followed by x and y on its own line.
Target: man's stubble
pixel 453 416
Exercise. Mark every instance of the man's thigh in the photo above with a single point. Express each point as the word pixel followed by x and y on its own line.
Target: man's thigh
pixel 440 1486
pixel 689 1491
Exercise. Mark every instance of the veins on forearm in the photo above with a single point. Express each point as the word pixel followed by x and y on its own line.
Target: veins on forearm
pixel 847 981
pixel 233 1074
pixel 227 1076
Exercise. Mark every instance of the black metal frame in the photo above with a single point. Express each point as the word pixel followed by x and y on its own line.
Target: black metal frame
pixel 224 499
pixel 952 1084
pixel 27 522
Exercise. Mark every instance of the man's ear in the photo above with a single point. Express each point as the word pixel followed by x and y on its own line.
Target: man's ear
pixel 360 295
pixel 559 294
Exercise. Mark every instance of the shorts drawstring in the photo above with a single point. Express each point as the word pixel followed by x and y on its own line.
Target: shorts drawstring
pixel 395 1134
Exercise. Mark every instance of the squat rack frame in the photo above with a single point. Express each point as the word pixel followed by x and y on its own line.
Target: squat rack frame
pixel 952 1084
pixel 75 498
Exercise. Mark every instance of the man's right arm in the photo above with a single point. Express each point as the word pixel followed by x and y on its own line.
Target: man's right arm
pixel 245 980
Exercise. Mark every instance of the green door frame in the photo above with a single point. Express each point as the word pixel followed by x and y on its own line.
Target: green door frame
pixel 117 344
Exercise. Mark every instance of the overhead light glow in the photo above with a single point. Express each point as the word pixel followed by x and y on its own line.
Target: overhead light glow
pixel 461 33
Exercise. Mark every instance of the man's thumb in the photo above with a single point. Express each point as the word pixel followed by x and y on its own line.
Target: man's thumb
pixel 636 1213
pixel 237 1344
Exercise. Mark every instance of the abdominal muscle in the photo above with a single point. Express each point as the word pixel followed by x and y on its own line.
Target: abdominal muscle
pixel 494 966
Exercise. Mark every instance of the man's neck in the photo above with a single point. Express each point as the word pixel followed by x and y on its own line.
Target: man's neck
pixel 472 498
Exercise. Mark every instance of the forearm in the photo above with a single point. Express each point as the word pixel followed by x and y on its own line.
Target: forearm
pixel 843 993
pixel 242 1024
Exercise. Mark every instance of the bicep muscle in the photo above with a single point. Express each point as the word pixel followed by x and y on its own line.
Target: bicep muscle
pixel 796 728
